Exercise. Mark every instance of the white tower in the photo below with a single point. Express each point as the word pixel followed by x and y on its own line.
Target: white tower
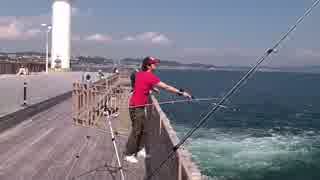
pixel 61 34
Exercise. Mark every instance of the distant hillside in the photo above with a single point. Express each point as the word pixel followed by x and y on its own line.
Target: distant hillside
pixel 98 60
pixel 168 63
pixel 25 53
pixel 136 62
pixel 93 60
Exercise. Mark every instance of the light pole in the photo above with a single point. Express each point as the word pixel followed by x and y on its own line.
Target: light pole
pixel 49 27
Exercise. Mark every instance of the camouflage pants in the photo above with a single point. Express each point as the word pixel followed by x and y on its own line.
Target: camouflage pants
pixel 137 136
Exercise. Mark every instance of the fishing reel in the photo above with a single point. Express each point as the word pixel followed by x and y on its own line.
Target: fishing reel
pixel 181 91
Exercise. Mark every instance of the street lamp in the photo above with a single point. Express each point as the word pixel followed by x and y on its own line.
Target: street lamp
pixel 49 27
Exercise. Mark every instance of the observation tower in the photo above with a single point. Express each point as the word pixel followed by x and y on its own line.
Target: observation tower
pixel 61 34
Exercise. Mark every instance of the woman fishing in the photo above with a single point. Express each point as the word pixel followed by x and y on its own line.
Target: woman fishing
pixel 145 81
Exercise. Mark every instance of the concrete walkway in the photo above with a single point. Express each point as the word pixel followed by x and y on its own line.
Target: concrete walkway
pixel 40 87
pixel 46 146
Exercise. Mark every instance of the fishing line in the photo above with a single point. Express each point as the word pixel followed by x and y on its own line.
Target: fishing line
pixel 234 88
pixel 195 100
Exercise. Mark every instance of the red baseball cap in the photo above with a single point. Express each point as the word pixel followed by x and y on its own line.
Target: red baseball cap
pixel 150 60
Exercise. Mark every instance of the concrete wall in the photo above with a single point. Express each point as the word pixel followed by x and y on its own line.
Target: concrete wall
pixel 13 68
pixel 160 140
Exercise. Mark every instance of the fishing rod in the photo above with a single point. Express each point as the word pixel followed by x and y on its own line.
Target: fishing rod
pixel 193 100
pixel 236 87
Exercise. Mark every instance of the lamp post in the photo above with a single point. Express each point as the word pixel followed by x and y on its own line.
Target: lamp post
pixel 49 27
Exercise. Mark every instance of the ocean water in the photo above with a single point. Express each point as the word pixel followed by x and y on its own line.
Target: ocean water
pixel 270 130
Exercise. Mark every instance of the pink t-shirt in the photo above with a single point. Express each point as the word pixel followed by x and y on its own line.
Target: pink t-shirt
pixel 144 82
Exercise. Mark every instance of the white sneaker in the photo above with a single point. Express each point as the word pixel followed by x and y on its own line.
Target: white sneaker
pixel 142 153
pixel 131 159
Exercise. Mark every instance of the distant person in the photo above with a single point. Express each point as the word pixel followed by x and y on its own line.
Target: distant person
pixel 22 71
pixel 57 63
pixel 133 78
pixel 100 75
pixel 87 79
pixel 115 70
pixel 145 81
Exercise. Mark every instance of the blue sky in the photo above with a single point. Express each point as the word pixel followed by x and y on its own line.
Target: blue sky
pixel 225 32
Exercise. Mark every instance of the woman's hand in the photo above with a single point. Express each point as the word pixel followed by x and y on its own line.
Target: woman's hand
pixel 173 90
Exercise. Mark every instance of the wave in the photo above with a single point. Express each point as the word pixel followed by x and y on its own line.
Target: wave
pixel 255 153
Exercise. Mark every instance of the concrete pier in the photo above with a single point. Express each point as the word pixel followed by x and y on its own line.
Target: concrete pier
pixel 40 87
pixel 49 145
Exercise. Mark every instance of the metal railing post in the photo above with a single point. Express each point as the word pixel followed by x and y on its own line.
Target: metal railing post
pixel 25 94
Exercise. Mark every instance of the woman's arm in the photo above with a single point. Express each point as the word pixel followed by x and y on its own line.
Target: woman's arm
pixel 173 89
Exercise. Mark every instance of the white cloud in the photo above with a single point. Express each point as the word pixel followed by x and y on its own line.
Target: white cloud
pixel 9 31
pixel 149 37
pixel 13 29
pixel 6 19
pixel 27 21
pixel 146 36
pixel 99 38
pixel 160 39
pixel 129 38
